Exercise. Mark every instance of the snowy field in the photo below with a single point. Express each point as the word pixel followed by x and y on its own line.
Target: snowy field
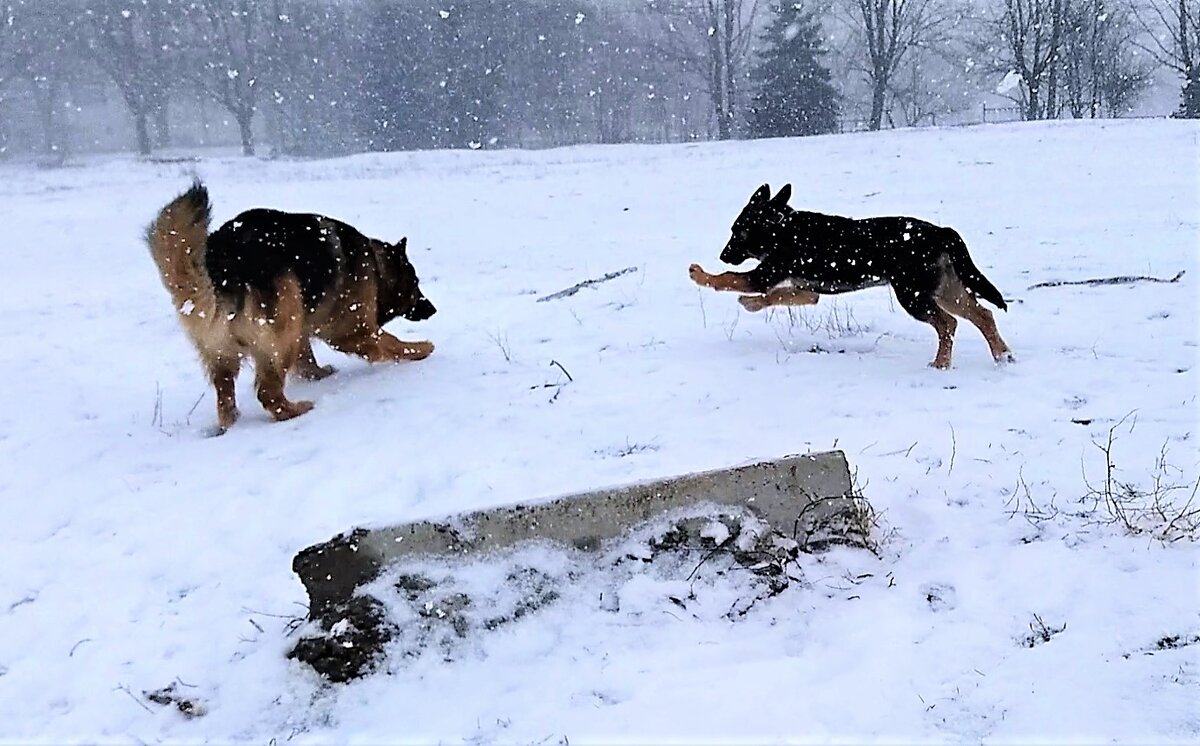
pixel 138 553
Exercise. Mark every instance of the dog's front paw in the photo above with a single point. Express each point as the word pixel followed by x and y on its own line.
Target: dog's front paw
pixel 698 275
pixel 289 410
pixel 753 303
pixel 316 372
pixel 417 350
pixel 1005 358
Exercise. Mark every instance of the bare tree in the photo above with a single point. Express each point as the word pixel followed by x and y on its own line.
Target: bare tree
pixel 710 38
pixel 129 41
pixel 1032 32
pixel 16 49
pixel 52 37
pixel 226 51
pixel 309 53
pixel 891 30
pixel 1100 71
pixel 1173 27
pixel 928 86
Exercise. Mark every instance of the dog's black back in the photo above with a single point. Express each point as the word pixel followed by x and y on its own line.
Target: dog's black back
pixel 832 254
pixel 256 248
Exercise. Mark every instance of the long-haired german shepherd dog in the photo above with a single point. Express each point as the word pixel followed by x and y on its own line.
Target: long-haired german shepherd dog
pixel 266 281
pixel 927 266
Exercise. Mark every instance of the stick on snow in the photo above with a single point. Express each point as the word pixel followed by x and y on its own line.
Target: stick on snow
pixel 1122 280
pixel 587 283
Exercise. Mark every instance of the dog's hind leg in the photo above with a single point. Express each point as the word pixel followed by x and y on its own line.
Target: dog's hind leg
pixel 222 371
pixel 779 297
pixel 922 306
pixel 269 376
pixel 277 346
pixel 955 298
pixel 306 364
pixel 945 325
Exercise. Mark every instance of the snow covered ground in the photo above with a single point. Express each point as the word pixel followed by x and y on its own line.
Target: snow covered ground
pixel 138 553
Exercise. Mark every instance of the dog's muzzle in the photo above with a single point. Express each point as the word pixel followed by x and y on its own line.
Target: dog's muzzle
pixel 421 310
pixel 733 255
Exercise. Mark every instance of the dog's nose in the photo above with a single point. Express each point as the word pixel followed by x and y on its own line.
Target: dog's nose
pixel 423 310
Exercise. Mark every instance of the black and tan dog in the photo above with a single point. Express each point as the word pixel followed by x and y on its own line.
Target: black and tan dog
pixel 266 281
pixel 803 255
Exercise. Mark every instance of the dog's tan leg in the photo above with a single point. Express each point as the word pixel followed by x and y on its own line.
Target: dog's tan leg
pixel 306 364
pixel 945 325
pixel 222 372
pixel 358 334
pixel 382 347
pixel 955 298
pixel 268 382
pixel 277 346
pixel 779 297
pixel 398 349
pixel 733 281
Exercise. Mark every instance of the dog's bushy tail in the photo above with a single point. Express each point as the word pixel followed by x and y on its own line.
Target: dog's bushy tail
pixel 970 275
pixel 177 240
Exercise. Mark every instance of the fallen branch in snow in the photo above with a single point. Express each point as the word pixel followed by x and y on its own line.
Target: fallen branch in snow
pixel 1122 280
pixel 586 283
pixel 558 385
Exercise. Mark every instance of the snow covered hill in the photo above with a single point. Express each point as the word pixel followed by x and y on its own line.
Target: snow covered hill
pixel 138 553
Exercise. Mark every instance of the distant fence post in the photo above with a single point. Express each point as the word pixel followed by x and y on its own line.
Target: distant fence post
pixel 1013 112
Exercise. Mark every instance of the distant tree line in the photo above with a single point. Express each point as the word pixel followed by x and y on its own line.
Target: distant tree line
pixel 318 77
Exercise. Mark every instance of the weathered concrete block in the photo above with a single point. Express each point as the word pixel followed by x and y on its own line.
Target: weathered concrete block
pixel 806 497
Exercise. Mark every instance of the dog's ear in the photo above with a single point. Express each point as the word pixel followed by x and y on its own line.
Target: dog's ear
pixel 781 199
pixel 761 195
pixel 402 246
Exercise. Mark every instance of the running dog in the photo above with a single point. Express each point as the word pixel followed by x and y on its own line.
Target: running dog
pixel 803 255
pixel 266 281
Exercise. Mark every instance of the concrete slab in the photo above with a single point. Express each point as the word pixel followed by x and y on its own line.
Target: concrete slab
pixel 807 497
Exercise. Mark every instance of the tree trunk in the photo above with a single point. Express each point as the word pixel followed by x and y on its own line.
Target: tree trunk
pixel 244 121
pixel 142 127
pixel 716 79
pixel 1054 60
pixel 1051 111
pixel 727 55
pixel 162 125
pixel 1185 53
pixel 878 94
pixel 50 122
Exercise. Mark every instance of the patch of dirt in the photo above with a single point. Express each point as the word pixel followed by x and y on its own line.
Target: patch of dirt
pixel 1174 642
pixel 190 707
pixel 1040 632
pixel 351 642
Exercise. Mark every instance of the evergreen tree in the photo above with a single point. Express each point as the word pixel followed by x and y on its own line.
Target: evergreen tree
pixel 794 95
